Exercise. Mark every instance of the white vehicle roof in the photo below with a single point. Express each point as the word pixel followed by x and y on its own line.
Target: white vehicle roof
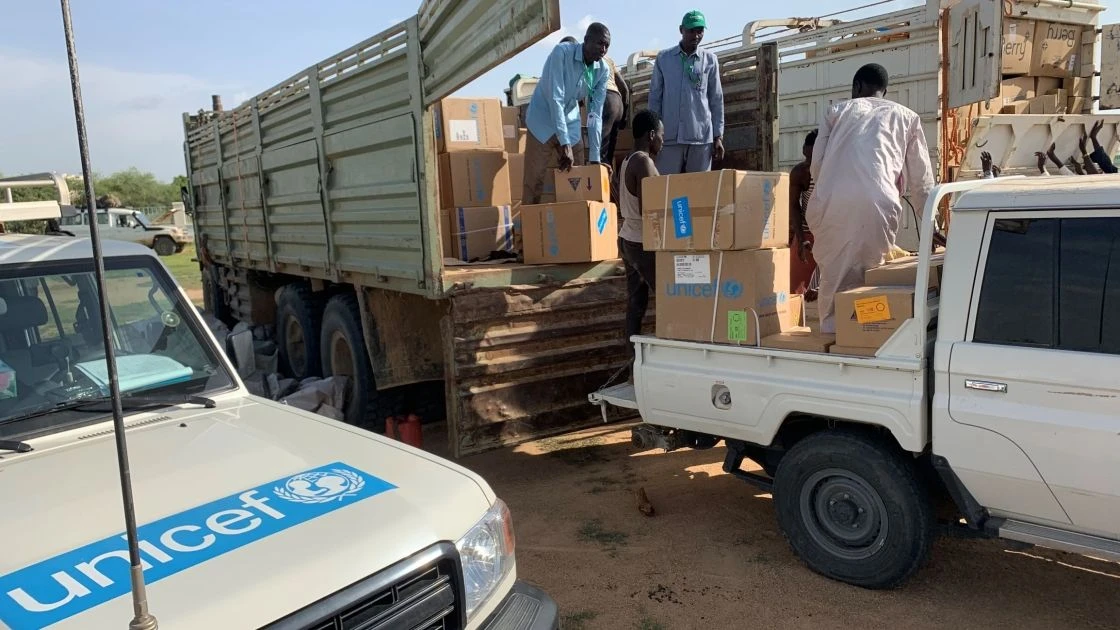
pixel 29 248
pixel 1054 191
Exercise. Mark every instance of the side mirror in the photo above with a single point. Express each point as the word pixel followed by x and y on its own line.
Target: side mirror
pixel 185 197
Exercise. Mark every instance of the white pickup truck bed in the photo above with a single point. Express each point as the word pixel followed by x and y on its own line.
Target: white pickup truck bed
pixel 683 384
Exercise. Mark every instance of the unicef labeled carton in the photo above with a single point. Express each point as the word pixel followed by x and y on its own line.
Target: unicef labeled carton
pixel 717 210
pixel 732 297
pixel 573 232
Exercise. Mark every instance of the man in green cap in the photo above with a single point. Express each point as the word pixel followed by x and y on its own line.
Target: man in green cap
pixel 685 90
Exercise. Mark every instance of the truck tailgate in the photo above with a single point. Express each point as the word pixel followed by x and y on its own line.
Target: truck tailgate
pixel 746 393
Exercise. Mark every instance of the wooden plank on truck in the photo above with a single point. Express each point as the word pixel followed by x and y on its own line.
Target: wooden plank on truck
pixel 520 360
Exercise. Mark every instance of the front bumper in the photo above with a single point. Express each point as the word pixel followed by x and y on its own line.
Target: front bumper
pixel 524 608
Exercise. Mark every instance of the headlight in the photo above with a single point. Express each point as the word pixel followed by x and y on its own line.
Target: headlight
pixel 486 552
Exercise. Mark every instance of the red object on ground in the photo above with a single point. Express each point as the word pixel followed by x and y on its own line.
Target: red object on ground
pixel 391 427
pixel 411 431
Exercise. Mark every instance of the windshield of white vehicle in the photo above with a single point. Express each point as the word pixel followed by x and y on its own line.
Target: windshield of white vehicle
pixel 142 219
pixel 52 353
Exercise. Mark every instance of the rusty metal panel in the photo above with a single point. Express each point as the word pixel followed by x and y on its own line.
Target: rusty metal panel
pixel 521 360
pixel 248 240
pixel 402 333
pixel 462 39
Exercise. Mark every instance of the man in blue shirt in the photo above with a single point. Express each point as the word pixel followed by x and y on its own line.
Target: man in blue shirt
pixel 572 72
pixel 685 90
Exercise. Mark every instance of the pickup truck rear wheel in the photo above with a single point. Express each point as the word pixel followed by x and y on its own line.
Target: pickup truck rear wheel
pixel 853 509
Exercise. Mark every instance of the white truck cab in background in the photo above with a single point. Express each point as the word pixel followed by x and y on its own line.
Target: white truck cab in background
pixel 1001 393
pixel 251 513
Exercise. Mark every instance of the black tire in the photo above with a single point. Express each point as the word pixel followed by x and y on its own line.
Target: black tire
pixel 163 245
pixel 343 351
pixel 298 319
pixel 832 480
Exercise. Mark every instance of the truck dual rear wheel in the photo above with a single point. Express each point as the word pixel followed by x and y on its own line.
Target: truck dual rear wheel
pixel 344 354
pixel 853 509
pixel 298 320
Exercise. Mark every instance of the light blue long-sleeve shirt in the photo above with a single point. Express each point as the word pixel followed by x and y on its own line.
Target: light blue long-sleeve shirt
pixel 554 108
pixel 685 90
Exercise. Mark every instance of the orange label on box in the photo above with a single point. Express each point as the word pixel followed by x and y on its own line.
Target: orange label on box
pixel 873 309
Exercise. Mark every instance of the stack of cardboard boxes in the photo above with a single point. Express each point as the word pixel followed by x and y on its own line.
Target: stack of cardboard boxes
pixel 480 164
pixel 581 225
pixel 1047 69
pixel 720 239
pixel 867 317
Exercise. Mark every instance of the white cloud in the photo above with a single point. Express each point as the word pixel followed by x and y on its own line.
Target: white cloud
pixel 133 118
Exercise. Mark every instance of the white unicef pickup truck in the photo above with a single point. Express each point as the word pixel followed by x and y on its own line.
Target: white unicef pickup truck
pixel 1002 393
pixel 252 514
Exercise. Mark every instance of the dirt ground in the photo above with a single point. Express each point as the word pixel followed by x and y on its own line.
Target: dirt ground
pixel 712 556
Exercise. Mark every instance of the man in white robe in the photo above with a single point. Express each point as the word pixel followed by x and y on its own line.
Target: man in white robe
pixel 869 152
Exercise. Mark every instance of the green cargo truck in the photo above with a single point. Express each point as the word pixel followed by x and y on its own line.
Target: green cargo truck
pixel 315 210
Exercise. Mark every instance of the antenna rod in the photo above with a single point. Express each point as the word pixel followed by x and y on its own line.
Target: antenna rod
pixel 142 619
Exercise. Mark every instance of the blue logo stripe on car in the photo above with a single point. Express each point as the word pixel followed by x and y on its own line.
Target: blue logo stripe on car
pixel 75 581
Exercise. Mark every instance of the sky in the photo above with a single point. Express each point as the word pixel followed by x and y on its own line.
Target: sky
pixel 143 63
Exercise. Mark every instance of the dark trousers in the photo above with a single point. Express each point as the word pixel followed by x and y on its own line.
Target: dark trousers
pixel 640 280
pixel 541 158
pixel 612 119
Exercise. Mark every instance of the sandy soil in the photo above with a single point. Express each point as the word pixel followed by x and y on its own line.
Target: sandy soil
pixel 712 556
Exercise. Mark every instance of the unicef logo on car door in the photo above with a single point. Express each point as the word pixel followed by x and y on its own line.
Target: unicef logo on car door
pixel 321 486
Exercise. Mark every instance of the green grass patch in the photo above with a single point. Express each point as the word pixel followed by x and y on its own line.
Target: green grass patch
pixel 577 620
pixel 185 270
pixel 594 532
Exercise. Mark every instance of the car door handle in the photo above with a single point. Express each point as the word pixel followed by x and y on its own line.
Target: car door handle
pixel 986 386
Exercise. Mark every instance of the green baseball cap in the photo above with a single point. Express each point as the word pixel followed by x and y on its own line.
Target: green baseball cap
pixel 694 19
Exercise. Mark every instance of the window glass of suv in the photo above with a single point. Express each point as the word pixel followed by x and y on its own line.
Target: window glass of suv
pixel 1052 283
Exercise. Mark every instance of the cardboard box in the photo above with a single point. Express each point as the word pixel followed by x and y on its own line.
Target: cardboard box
pixel 1057 50
pixel 866 317
pixel 516 176
pixel 853 351
pixel 1046 85
pixel 796 304
pixel 573 232
pixel 1022 107
pixel 805 341
pixel 713 296
pixel 472 233
pixel 511 117
pixel 1078 87
pixel 1049 103
pixel 583 183
pixel 679 211
pixel 1018 46
pixel 904 272
pixel 468 124
pixel 474 179
pixel 1079 105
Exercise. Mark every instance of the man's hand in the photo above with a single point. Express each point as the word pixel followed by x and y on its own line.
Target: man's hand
pixel 1053 155
pixel 717 150
pixel 610 170
pixel 1041 161
pixel 564 153
pixel 1097 126
pixel 986 162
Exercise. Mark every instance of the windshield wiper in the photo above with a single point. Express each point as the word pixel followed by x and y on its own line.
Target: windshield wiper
pixel 135 402
pixel 103 404
pixel 13 445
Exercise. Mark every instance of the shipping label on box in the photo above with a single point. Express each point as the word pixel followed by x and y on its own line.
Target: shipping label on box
pixel 512 131
pixel 474 179
pixel 716 296
pixel 717 210
pixel 473 233
pixel 583 183
pixel 573 232
pixel 867 317
pixel 1057 50
pixel 468 124
pixel 1018 46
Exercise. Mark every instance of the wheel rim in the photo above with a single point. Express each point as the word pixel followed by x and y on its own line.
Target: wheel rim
pixel 844 514
pixel 342 359
pixel 293 342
